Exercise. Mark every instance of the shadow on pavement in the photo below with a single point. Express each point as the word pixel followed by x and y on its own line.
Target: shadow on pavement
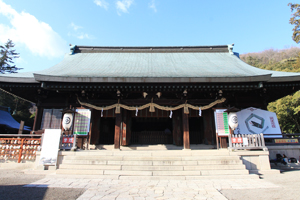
pixel 38 193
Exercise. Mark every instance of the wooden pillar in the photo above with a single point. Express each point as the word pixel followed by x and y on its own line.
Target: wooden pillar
pixel 124 139
pixel 177 127
pixel 21 127
pixel 186 132
pixel 223 142
pixel 37 119
pixel 117 131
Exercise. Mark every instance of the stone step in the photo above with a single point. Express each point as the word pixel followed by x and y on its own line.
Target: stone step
pixel 151 173
pixel 214 167
pixel 79 172
pixel 223 172
pixel 124 177
pixel 128 172
pixel 211 158
pixel 168 163
pixel 201 162
pixel 90 167
pixel 84 162
pixel 89 157
pixel 219 177
pixel 151 167
pixel 183 168
pixel 147 153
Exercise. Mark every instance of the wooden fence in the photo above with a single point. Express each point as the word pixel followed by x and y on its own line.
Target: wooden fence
pixel 247 141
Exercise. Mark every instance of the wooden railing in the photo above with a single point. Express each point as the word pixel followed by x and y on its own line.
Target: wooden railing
pixel 247 141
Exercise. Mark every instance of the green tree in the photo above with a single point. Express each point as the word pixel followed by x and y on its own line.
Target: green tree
pixel 288 112
pixel 6 60
pixel 295 20
pixel 19 108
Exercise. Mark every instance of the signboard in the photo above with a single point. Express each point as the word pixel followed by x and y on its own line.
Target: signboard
pixel 221 120
pixel 286 141
pixel 68 140
pixel 256 121
pixel 237 140
pixel 50 147
pixel 82 122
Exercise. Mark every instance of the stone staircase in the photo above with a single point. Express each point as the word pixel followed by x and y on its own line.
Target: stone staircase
pixel 154 164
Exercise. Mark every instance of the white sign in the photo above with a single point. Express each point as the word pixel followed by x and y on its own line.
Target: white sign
pixel 256 121
pixel 50 147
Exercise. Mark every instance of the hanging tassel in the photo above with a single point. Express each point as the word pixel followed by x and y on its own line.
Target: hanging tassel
pixel 102 113
pixel 136 111
pixel 152 109
pixel 118 109
pixel 186 110
pixel 171 113
pixel 200 112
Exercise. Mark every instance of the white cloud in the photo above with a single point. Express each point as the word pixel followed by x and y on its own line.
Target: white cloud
pixel 80 35
pixel 123 5
pixel 101 3
pixel 152 5
pixel 37 36
pixel 84 36
pixel 75 27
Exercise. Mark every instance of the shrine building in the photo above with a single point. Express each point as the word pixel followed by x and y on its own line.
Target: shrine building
pixel 147 95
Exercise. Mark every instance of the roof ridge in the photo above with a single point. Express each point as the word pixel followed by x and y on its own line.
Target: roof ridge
pixel 150 49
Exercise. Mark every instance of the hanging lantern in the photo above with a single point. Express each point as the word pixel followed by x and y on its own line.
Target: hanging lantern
pixel 233 120
pixel 67 121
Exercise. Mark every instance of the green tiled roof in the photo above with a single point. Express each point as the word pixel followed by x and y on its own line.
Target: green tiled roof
pixel 157 64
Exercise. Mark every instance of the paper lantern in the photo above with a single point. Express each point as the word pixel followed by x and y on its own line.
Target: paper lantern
pixel 233 120
pixel 67 121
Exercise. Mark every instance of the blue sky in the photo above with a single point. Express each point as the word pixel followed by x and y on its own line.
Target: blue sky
pixel 42 30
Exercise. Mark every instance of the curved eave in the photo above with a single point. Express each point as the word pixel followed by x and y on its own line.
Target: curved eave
pixel 263 78
pixel 18 79
pixel 285 79
pixel 278 76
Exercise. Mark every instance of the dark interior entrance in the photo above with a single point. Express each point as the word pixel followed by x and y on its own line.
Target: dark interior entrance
pixel 196 130
pixel 151 131
pixel 107 130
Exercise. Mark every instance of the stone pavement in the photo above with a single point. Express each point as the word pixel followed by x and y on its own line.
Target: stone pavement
pixel 152 189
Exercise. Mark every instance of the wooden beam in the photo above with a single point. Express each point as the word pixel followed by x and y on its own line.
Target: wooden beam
pixel 186 132
pixel 117 131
